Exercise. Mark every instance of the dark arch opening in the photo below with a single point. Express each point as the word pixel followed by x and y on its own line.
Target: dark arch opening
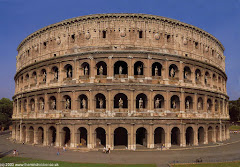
pixel 210 134
pixel 120 101
pixel 141 136
pixel 55 73
pixel 141 101
pixel 156 69
pixel 175 136
pixel 200 135
pixel 40 136
pixel 139 68
pixel 217 133
pixel 158 101
pixel 52 135
pixel 100 137
pixel 159 137
pixel 31 135
pixel 82 136
pixel 101 68
pixel 175 102
pixel 83 101
pixel 67 102
pixel 187 73
pixel 100 101
pixel 69 70
pixel 188 103
pixel 189 136
pixel 66 136
pixel 120 68
pixel 52 103
pixel 120 137
pixel 86 68
pixel 173 70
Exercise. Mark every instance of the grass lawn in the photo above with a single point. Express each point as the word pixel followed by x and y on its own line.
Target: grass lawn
pixel 20 160
pixel 222 164
pixel 234 127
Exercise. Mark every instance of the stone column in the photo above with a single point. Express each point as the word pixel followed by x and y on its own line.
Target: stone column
pixel 14 131
pixel 183 136
pixel 150 102
pixel 21 137
pixel 182 101
pixel 205 103
pixel 17 106
pixel 60 75
pixel 73 101
pixel 74 72
pixel 36 104
pixel 150 139
pixel 133 143
pixel 110 68
pixel 59 105
pixel 35 136
pixel 92 69
pixel 167 101
pixel 91 137
pixel 195 137
pixel 168 136
pixel 130 68
pixel 181 72
pixel 132 102
pixel 45 135
pixel 206 135
pixel 72 136
pixel 195 103
pixel 108 136
pixel 27 138
pixel 166 74
pixel 46 102
pixel 147 71
pixel 91 100
pixel 220 132
pixel 58 135
pixel 214 135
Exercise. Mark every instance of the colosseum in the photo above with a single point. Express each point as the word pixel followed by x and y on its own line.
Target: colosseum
pixel 127 81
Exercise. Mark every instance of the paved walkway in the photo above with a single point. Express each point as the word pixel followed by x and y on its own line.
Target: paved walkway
pixel 226 151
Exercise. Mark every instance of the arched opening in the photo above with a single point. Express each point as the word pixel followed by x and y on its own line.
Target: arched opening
pixel 25 105
pixel 173 71
pixel 158 101
pixel 217 133
pixel 69 71
pixel 141 101
pixel 198 76
pixel 41 104
pixel 206 78
pixel 31 135
pixel 120 101
pixel 55 73
pixel 120 137
pixel 200 104
pixel 139 68
pixel 83 101
pixel 44 75
pixel 24 134
pixel 214 78
pixel 66 137
pixel 210 134
pixel 209 104
pixel 34 77
pixel 101 68
pixel 82 137
pixel 40 135
pixel 100 101
pixel 141 136
pixel 120 69
pixel 100 137
pixel 67 102
pixel 200 135
pixel 86 69
pixel 189 136
pixel 32 105
pixel 156 69
pixel 216 106
pixel 187 73
pixel 52 135
pixel 175 102
pixel 175 136
pixel 52 103
pixel 159 137
pixel 188 103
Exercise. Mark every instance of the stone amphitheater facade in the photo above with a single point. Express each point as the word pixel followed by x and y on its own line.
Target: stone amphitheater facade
pixel 120 80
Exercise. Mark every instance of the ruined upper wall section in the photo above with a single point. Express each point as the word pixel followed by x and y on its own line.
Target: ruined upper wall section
pixel 109 32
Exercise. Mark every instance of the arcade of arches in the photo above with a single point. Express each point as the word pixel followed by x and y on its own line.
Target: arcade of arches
pixel 127 135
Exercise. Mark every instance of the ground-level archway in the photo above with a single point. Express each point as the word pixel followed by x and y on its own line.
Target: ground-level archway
pixel 100 137
pixel 141 136
pixel 30 135
pixel 189 136
pixel 52 136
pixel 82 137
pixel 217 133
pixel 40 136
pixel 175 136
pixel 24 134
pixel 65 136
pixel 159 137
pixel 210 134
pixel 200 135
pixel 120 137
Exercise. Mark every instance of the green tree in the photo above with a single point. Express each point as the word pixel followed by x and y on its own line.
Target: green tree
pixel 6 110
pixel 234 110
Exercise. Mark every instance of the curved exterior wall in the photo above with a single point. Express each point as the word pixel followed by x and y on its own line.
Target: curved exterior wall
pixel 169 75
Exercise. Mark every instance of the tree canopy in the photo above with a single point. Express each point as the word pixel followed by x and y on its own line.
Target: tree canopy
pixel 6 110
pixel 234 110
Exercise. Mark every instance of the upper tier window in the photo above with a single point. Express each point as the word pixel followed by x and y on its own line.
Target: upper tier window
pixel 140 34
pixel 104 34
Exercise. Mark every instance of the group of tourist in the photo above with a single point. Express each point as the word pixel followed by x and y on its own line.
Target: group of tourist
pixel 106 150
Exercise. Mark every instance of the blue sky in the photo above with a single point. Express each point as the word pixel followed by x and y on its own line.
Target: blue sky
pixel 19 18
